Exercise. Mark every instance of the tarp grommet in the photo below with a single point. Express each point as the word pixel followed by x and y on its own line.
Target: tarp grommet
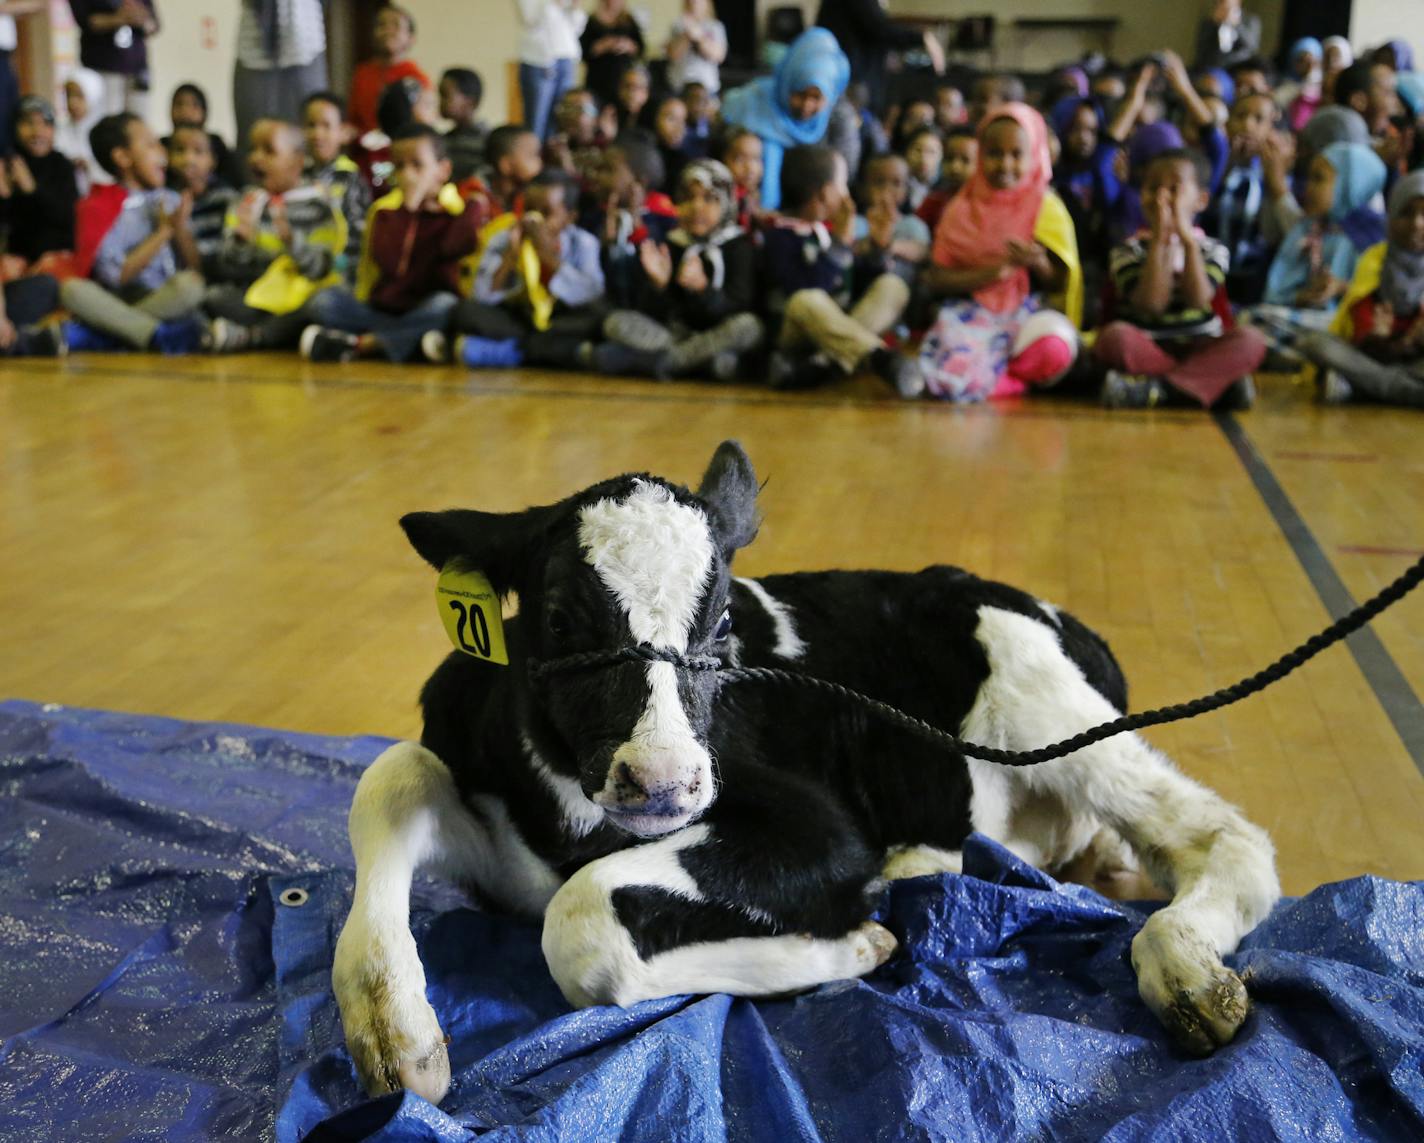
pixel 295 898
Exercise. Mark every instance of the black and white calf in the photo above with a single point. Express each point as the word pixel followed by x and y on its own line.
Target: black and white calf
pixel 680 840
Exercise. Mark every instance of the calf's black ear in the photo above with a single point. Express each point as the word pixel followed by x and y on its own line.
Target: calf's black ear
pixel 729 488
pixel 492 542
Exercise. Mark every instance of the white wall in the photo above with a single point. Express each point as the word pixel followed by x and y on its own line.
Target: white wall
pixel 1372 22
pixel 197 44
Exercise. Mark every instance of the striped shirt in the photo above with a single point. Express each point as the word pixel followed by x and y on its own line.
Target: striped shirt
pixel 1126 265
pixel 301 35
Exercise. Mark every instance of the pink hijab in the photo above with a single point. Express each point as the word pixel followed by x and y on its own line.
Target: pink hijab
pixel 979 218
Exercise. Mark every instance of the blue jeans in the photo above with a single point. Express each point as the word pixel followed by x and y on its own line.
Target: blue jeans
pixel 541 88
pixel 397 334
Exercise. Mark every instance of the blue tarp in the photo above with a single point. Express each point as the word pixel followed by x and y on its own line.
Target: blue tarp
pixel 153 987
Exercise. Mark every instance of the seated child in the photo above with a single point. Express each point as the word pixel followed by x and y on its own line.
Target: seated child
pixel 327 134
pixel 950 111
pixel 461 91
pixel 402 103
pixel 282 242
pixel 1375 349
pixel 573 145
pixel 514 159
pixel 701 110
pixel 961 156
pixel 1171 336
pixel 191 171
pixel 626 209
pixel 190 109
pixel 538 296
pixel 418 240
pixel 989 93
pixel 692 300
pixel 1005 241
pixel 146 287
pixel 393 37
pixel 806 282
pixel 741 154
pixel 924 153
pixel 670 132
pixel 887 241
pixel 1315 262
pixel 38 188
pixel 914 116
pixel 1235 215
pixel 633 91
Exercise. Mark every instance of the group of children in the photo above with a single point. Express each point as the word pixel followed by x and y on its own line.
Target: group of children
pixel 1176 224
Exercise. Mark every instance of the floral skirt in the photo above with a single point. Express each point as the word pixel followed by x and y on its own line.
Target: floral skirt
pixel 966 351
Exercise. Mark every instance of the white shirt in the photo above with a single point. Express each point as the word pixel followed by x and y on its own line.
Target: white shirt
pixel 551 31
pixel 695 67
pixel 9 34
pixel 302 39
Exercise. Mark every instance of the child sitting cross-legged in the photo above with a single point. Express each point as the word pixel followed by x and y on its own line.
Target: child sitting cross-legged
pixel 886 240
pixel 282 242
pixel 627 208
pixel 806 279
pixel 693 297
pixel 514 160
pixel 146 286
pixel 327 134
pixel 538 295
pixel 192 168
pixel 418 238
pixel 1171 336
pixel 1004 244
pixel 1375 349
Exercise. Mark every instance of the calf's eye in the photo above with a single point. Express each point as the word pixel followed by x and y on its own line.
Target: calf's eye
pixel 724 626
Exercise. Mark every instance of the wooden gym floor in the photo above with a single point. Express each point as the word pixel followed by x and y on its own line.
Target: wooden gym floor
pixel 217 540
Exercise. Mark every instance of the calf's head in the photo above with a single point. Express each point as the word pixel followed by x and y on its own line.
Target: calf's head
pixel 634 560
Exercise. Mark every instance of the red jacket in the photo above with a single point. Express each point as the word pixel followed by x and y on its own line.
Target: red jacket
pixel 407 255
pixel 370 79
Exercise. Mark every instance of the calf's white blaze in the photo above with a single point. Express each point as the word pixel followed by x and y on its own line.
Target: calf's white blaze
pixel 655 556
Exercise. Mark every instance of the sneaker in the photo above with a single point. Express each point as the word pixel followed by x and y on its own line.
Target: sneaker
pixel 321 344
pixel 179 337
pixel 79 338
pixel 435 347
pixel 41 341
pixel 487 353
pixel 617 359
pixel 1241 395
pixel 1334 389
pixel 901 373
pixel 225 336
pixel 808 373
pixel 723 367
pixel 1126 391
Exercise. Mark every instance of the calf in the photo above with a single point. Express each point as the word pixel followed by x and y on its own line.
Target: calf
pixel 676 839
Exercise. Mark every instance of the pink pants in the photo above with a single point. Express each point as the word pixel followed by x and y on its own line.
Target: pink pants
pixel 1207 367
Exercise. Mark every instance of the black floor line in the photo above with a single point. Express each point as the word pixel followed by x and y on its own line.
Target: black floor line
pixel 1392 689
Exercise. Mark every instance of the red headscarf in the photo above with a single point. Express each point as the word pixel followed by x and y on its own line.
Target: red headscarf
pixel 979 218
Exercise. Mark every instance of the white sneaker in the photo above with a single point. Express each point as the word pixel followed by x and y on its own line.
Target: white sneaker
pixel 435 347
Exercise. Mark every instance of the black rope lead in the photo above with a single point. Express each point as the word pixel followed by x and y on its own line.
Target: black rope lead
pixel 1285 665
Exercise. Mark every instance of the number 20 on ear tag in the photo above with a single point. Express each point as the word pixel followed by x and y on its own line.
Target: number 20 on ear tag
pixel 469 608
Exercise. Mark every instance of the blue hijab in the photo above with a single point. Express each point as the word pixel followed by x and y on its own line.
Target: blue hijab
pixel 1351 227
pixel 814 60
pixel 1411 92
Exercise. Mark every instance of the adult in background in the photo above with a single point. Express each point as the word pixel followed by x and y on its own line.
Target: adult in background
pixel 797 105
pixel 612 41
pixel 1228 35
pixel 697 45
pixel 281 59
pixel 866 33
pixel 549 51
pixel 113 40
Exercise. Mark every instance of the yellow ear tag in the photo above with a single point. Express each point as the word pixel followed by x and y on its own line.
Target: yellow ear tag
pixel 469 608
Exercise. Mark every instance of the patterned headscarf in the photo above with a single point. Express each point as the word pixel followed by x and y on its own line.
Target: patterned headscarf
pixel 713 176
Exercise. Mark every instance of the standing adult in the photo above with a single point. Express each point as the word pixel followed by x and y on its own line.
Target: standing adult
pixel 113 40
pixel 866 33
pixel 612 41
pixel 697 45
pixel 549 52
pixel 794 106
pixel 1227 36
pixel 281 59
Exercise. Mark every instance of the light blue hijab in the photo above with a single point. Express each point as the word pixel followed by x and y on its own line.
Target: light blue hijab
pixel 1352 227
pixel 814 60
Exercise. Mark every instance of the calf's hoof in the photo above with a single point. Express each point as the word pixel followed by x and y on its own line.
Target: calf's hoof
pixel 1200 1001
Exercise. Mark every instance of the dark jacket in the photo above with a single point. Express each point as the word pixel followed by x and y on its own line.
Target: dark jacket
pixel 44 221
pixel 866 32
pixel 411 254
pixel 737 293
pixel 795 256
